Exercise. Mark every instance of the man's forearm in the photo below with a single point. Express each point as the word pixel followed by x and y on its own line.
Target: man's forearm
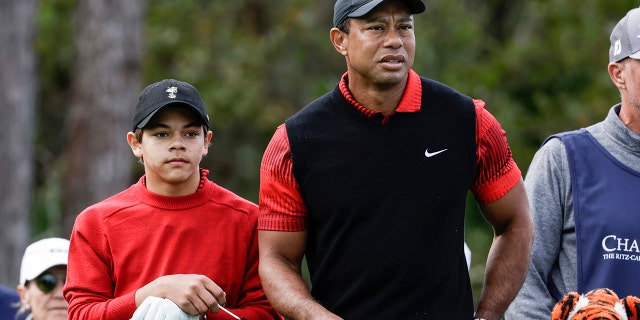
pixel 289 294
pixel 506 270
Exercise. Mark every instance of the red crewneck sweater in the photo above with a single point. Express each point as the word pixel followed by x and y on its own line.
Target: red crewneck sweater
pixel 128 240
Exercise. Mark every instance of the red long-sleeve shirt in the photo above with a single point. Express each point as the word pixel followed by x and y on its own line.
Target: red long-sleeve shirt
pixel 126 241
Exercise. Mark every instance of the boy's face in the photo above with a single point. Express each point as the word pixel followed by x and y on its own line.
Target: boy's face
pixel 172 146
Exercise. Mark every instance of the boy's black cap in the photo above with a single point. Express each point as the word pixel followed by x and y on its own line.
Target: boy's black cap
pixel 344 9
pixel 160 94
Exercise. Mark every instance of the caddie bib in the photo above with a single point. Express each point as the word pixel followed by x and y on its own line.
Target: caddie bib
pixel 606 201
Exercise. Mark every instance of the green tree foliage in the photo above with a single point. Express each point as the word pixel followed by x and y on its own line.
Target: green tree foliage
pixel 254 62
pixel 539 65
pixel 54 47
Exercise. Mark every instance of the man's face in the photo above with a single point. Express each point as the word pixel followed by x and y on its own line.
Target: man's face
pixel 380 46
pixel 631 76
pixel 47 305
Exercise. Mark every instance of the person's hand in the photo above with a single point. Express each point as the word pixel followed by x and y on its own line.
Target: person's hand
pixel 193 293
pixel 154 308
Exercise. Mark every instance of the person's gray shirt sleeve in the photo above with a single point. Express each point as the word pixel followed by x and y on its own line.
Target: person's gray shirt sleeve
pixel 547 189
pixel 553 261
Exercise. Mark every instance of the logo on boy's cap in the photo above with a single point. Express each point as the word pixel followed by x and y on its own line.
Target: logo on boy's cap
pixel 160 94
pixel 172 92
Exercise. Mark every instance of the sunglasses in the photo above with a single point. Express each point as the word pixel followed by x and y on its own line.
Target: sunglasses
pixel 47 281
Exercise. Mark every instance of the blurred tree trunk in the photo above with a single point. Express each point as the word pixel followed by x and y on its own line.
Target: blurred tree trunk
pixel 105 87
pixel 17 120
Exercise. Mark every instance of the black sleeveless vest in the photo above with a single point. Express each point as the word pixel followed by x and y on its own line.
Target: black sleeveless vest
pixel 386 205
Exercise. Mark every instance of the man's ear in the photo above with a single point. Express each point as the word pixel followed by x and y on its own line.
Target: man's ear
pixel 135 144
pixel 339 40
pixel 23 293
pixel 616 74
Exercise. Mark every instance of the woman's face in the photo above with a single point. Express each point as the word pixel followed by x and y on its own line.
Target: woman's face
pixel 43 295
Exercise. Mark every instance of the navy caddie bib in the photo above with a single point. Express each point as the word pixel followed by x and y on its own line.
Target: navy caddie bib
pixel 606 201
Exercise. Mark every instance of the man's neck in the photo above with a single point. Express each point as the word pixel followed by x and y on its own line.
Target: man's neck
pixel 630 116
pixel 375 98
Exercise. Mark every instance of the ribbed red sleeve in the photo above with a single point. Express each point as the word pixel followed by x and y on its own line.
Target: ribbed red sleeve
pixel 280 202
pixel 497 171
pixel 282 207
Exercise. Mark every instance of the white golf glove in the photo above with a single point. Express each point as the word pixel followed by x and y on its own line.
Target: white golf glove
pixel 154 308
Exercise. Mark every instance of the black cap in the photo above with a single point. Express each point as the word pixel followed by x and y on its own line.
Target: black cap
pixel 344 9
pixel 160 94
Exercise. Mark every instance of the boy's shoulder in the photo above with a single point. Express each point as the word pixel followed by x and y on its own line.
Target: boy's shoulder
pixel 228 198
pixel 122 200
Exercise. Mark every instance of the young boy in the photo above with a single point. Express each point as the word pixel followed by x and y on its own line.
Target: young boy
pixel 174 234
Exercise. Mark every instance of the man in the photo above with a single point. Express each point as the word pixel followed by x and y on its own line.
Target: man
pixel 583 187
pixel 43 272
pixel 369 183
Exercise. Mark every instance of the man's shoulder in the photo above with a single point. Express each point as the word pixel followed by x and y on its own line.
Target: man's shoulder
pixel 318 104
pixel 432 85
pixel 554 144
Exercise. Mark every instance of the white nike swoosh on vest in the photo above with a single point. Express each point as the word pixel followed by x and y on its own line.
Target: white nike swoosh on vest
pixel 429 155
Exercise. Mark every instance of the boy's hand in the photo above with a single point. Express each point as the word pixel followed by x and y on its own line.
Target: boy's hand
pixel 154 308
pixel 193 293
